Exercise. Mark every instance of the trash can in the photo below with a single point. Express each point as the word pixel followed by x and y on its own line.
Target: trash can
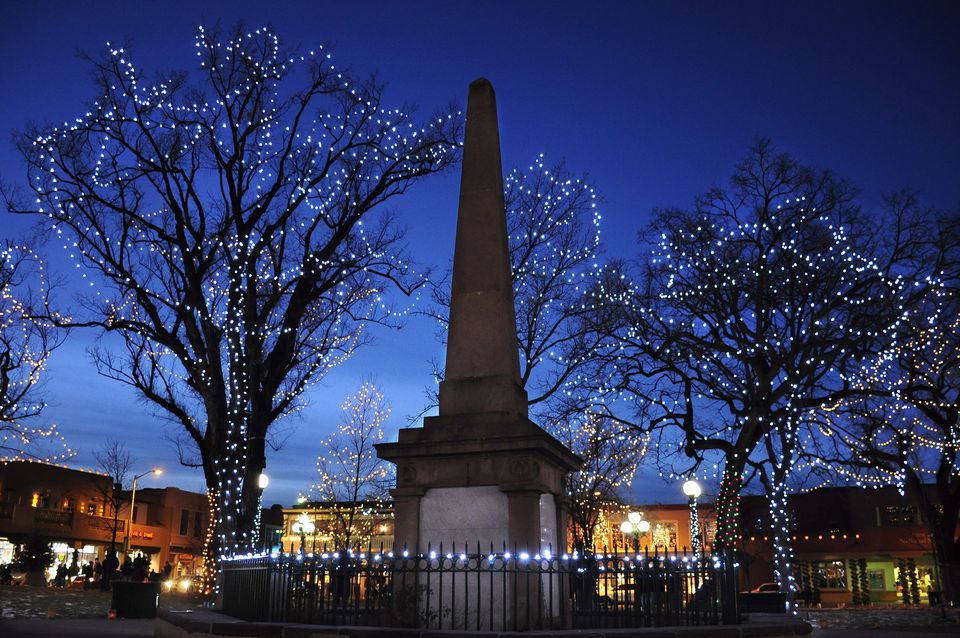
pixel 135 600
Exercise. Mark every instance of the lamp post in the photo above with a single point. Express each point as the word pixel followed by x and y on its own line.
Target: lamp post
pixel 133 497
pixel 634 526
pixel 303 526
pixel 692 489
pixel 262 482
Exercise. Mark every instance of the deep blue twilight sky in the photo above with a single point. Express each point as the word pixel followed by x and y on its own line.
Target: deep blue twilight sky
pixel 655 101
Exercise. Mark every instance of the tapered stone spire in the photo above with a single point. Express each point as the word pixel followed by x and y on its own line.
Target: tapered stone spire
pixel 482 368
pixel 481 471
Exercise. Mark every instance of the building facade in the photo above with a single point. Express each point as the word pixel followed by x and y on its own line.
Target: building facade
pixel 169 526
pixel 72 510
pixel 323 524
pixel 851 545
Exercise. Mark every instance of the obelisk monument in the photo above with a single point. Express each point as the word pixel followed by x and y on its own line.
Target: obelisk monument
pixel 480 471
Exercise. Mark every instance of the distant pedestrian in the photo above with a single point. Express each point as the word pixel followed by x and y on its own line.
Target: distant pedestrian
pixel 60 580
pixel 167 570
pixel 126 570
pixel 110 565
pixel 87 575
pixel 141 568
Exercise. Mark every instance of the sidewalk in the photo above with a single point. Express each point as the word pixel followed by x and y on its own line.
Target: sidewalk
pixel 83 628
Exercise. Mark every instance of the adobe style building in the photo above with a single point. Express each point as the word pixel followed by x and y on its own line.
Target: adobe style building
pixel 72 509
pixel 169 525
pixel 69 507
pixel 834 530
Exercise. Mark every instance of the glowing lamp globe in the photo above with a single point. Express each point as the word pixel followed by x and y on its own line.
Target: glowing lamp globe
pixel 262 481
pixel 306 525
pixel 643 527
pixel 626 527
pixel 692 489
pixel 634 518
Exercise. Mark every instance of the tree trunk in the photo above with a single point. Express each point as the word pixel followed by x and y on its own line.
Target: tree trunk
pixel 782 545
pixel 728 507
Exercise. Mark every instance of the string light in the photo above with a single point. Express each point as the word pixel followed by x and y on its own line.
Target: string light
pixel 29 333
pixel 752 310
pixel 230 218
pixel 353 480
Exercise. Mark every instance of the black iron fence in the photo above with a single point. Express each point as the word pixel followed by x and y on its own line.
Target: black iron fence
pixel 499 591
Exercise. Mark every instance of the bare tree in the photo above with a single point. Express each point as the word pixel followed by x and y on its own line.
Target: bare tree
pixel 758 305
pixel 230 216
pixel 611 453
pixel 28 336
pixel 354 481
pixel 907 434
pixel 114 460
pixel 553 227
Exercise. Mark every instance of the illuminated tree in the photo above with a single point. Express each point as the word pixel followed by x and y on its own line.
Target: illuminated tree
pixel 28 336
pixel 354 481
pixel 553 227
pixel 757 305
pixel 611 453
pixel 229 219
pixel 908 433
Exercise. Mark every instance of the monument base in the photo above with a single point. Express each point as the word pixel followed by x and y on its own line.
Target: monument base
pixel 485 477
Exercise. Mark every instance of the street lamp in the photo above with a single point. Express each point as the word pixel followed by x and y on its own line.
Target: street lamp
pixel 634 526
pixel 303 526
pixel 133 497
pixel 693 491
pixel 262 482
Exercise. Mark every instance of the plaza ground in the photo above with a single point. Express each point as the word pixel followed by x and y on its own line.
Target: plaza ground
pixel 83 628
pixel 95 628
pixel 42 602
pixel 82 614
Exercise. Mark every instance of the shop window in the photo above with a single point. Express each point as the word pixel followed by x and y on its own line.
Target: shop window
pixel 898 515
pixel 197 524
pixel 830 574
pixel 40 500
pixel 878 579
pixel 91 508
pixel 69 503
pixel 184 521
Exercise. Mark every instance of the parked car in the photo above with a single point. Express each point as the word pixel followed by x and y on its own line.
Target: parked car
pixel 767 588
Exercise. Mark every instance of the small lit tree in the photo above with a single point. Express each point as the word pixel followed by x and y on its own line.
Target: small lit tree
pixel 354 481
pixel 611 452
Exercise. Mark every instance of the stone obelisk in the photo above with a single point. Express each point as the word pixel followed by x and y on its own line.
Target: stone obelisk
pixel 480 471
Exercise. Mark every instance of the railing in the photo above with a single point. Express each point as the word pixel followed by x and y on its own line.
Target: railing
pixel 53 518
pixel 496 591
